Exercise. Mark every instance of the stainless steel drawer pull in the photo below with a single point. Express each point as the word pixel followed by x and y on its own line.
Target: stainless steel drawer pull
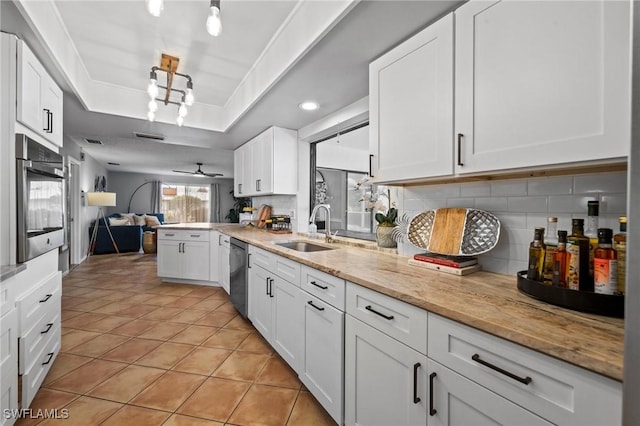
pixel 525 380
pixel 47 297
pixel 169 235
pixel 416 398
pixel 270 287
pixel 387 317
pixel 195 235
pixel 310 302
pixel 48 360
pixel 460 163
pixel 432 411
pixel 324 287
pixel 48 328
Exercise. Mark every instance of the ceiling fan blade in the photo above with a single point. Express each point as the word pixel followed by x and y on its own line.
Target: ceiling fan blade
pixel 182 171
pixel 212 174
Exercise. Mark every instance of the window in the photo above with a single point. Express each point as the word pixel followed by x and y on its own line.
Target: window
pixel 186 202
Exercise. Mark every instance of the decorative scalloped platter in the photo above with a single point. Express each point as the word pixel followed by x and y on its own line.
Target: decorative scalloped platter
pixel 454 231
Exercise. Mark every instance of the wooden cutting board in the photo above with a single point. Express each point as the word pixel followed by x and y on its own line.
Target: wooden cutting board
pixel 454 231
pixel 264 213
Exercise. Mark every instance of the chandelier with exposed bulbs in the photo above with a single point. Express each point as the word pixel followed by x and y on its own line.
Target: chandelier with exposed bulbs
pixel 214 22
pixel 169 65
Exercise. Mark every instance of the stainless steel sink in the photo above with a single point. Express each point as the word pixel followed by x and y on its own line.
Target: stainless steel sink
pixel 304 246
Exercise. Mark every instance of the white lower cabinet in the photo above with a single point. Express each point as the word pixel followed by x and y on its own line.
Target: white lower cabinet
pixel 184 255
pixel 9 364
pixel 385 380
pixel 224 251
pixel 322 371
pixel 260 300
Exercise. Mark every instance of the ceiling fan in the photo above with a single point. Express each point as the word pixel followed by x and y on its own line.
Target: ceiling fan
pixel 199 172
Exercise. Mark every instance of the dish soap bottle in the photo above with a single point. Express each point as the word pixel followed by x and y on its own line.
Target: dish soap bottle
pixel 536 256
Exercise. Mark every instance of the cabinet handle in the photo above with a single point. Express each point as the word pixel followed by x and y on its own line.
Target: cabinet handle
pixel 47 297
pixel 525 380
pixel 460 163
pixel 270 287
pixel 50 122
pixel 219 239
pixel 48 328
pixel 47 112
pixel 416 398
pixel 169 235
pixel 371 165
pixel 239 188
pixel 310 302
pixel 324 287
pixel 259 185
pixel 266 286
pixel 48 360
pixel 432 411
pixel 248 260
pixel 387 317
pixel 195 235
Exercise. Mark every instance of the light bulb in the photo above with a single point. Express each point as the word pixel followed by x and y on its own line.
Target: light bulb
pixel 153 106
pixel 180 120
pixel 182 111
pixel 189 99
pixel 151 115
pixel 155 7
pixel 152 89
pixel 214 24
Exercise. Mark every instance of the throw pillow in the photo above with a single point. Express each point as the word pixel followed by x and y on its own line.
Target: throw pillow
pixel 113 221
pixel 152 221
pixel 139 220
pixel 129 216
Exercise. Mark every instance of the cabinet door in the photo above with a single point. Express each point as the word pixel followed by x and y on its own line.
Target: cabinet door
pixel 385 381
pixel 224 263
pixel 262 160
pixel 169 259
pixel 9 364
pixel 52 106
pixel 31 76
pixel 541 83
pixel 322 370
pixel 214 257
pixel 459 401
pixel 287 336
pixel 411 106
pixel 260 300
pixel 195 260
pixel 238 172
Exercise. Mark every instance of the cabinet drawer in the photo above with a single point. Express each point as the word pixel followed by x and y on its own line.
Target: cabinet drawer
pixel 261 258
pixel 32 379
pixel 34 305
pixel 33 343
pixel 327 287
pixel 9 363
pixel 562 393
pixel 183 235
pixel 284 268
pixel 402 321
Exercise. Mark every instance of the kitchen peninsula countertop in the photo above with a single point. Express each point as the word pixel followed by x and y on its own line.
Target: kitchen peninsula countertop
pixel 483 300
pixel 8 271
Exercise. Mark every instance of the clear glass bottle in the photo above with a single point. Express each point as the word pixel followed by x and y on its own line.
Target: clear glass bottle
pixel 560 261
pixel 578 264
pixel 536 256
pixel 551 243
pixel 620 244
pixel 593 212
pixel 605 264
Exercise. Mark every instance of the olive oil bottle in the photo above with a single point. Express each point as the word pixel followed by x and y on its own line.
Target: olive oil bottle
pixel 536 256
pixel 593 213
pixel 551 244
pixel 560 261
pixel 605 264
pixel 620 244
pixel 578 266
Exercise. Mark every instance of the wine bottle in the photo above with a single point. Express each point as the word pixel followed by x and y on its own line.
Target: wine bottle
pixel 605 264
pixel 536 256
pixel 578 265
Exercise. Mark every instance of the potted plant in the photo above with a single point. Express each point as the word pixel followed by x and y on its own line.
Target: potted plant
pixel 386 224
pixel 238 205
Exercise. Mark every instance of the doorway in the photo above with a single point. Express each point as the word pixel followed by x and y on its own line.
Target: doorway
pixel 74 234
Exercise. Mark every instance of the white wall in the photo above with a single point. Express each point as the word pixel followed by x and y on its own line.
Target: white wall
pixel 333 156
pixel 124 184
pixel 521 205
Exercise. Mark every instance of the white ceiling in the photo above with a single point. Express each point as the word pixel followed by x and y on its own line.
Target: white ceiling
pixel 333 69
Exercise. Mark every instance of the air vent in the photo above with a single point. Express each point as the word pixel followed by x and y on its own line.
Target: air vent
pixel 113 164
pixel 94 141
pixel 148 136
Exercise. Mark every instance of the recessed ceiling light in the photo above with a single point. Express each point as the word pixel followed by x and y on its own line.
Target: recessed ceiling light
pixel 309 106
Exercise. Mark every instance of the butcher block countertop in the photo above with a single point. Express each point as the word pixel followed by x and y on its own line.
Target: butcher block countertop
pixel 483 300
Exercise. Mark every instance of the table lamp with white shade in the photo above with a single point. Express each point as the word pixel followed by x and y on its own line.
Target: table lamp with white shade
pixel 101 199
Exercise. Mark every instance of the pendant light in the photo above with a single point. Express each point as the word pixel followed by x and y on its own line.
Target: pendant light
pixel 214 24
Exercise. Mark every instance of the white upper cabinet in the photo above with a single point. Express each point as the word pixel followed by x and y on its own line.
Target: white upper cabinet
pixel 39 98
pixel 411 106
pixel 541 83
pixel 267 164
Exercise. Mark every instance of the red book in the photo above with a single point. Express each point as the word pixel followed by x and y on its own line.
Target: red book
pixel 441 259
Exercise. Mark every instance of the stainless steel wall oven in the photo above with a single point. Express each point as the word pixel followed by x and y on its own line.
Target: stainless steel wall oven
pixel 40 198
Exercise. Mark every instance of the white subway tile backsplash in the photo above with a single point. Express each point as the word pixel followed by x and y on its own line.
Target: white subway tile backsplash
pixel 442 191
pixel 491 264
pixel 515 266
pixel 509 187
pixel 614 204
pixel 512 220
pixel 492 204
pixel 475 189
pixel 600 183
pixel 414 204
pixel 519 236
pixel 431 203
pixel 550 186
pixel 569 203
pixel 527 204
pixel 460 202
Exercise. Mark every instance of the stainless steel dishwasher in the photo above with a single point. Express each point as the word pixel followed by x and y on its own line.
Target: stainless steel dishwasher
pixel 239 275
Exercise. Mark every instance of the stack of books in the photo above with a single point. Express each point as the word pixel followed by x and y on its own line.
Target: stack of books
pixel 457 265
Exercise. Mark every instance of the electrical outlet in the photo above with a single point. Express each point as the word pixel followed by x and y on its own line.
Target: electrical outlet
pixel 292 214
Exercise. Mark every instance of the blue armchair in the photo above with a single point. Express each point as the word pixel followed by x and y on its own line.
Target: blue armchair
pixel 127 237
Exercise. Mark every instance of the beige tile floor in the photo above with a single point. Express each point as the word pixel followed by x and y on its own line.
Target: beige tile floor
pixel 136 351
